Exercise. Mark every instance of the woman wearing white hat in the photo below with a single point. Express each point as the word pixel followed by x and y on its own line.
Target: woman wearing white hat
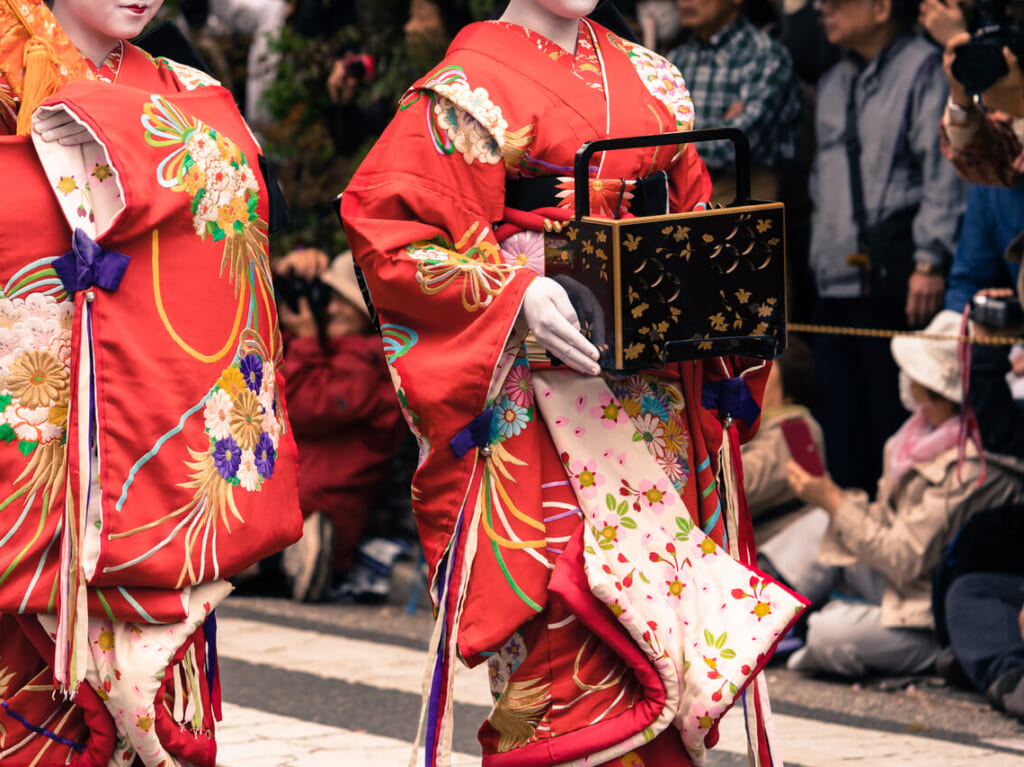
pixel 883 552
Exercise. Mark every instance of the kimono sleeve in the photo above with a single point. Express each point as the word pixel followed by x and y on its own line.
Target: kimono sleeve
pixel 419 215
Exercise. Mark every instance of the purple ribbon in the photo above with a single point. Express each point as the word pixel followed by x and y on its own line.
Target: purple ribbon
pixel 731 397
pixel 477 433
pixel 89 264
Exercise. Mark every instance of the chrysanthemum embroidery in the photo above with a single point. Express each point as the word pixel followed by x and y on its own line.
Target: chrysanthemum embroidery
pixel 215 173
pixel 243 422
pixel 609 197
pixel 35 356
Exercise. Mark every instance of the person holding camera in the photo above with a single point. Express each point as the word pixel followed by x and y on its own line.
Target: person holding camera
pixel 347 422
pixel 985 112
pixel 353 118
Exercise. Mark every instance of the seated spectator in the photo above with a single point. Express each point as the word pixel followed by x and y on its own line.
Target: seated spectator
pixel 979 598
pixel 883 552
pixel 743 78
pixel 789 395
pixel 347 421
pixel 980 604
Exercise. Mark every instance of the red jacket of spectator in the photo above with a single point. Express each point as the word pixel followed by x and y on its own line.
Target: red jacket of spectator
pixel 347 425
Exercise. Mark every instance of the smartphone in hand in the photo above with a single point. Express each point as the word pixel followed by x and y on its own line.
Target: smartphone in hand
pixel 802 446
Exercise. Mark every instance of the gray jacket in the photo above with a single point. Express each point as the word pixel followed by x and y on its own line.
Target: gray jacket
pixel 901 94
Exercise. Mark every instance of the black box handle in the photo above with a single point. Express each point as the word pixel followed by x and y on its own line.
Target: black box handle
pixel 581 168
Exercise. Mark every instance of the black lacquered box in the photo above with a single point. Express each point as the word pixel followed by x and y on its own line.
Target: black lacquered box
pixel 659 289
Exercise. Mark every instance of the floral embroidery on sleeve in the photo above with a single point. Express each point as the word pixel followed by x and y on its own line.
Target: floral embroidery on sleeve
pixel 479 269
pixel 661 78
pixel 35 358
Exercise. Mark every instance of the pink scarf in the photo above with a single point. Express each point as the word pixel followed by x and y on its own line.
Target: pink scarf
pixel 917 441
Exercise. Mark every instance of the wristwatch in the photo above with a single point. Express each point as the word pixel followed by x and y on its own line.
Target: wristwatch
pixel 926 267
pixel 958 114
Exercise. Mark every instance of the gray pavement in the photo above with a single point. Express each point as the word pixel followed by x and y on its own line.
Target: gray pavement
pixel 935 715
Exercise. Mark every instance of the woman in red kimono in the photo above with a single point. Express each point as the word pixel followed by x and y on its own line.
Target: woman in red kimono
pixel 578 526
pixel 146 455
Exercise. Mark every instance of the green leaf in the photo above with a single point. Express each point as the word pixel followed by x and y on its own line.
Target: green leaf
pixel 709 638
pixel 605 545
pixel 609 501
pixel 727 653
pixel 720 642
pixel 637 436
pixel 5 400
pixel 684 523
pixel 682 537
pixel 7 433
pixel 628 523
pixel 26 447
pixel 622 509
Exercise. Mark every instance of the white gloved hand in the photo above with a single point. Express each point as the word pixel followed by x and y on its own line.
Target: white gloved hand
pixel 549 314
pixel 58 125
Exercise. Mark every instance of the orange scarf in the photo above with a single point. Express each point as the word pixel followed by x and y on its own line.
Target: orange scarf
pixel 36 57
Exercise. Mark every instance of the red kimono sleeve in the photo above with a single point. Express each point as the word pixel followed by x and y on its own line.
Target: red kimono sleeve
pixel 419 215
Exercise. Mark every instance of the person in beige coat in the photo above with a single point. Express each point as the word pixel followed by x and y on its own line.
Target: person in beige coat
pixel 789 396
pixel 881 553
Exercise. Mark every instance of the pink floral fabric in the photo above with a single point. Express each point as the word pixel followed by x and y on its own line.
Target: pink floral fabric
pixel 705 621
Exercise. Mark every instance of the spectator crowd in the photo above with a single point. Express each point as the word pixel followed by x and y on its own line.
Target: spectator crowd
pixel 887 478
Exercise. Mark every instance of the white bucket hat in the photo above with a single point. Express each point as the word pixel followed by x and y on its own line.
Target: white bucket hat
pixel 341 276
pixel 933 363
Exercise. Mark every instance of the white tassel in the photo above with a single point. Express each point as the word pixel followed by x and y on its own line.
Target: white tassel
pixel 729 494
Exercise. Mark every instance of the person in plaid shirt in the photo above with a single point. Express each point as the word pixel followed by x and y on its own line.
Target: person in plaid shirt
pixel 743 78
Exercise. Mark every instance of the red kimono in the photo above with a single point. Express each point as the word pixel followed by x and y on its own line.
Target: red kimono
pixel 148 455
pixel 560 514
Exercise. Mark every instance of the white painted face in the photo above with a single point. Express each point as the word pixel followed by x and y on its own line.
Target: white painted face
pixel 98 23
pixel 555 9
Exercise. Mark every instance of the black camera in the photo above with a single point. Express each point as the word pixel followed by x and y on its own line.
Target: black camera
pixel 359 66
pixel 978 63
pixel 289 288
pixel 1001 312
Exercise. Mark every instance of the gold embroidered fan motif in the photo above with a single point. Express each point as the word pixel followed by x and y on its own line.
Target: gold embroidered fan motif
pixel 516 144
pixel 518 711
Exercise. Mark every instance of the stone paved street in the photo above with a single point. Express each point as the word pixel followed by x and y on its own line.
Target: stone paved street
pixel 310 685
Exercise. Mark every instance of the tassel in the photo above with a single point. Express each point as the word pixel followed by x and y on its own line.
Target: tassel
pixel 42 80
pixel 729 493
